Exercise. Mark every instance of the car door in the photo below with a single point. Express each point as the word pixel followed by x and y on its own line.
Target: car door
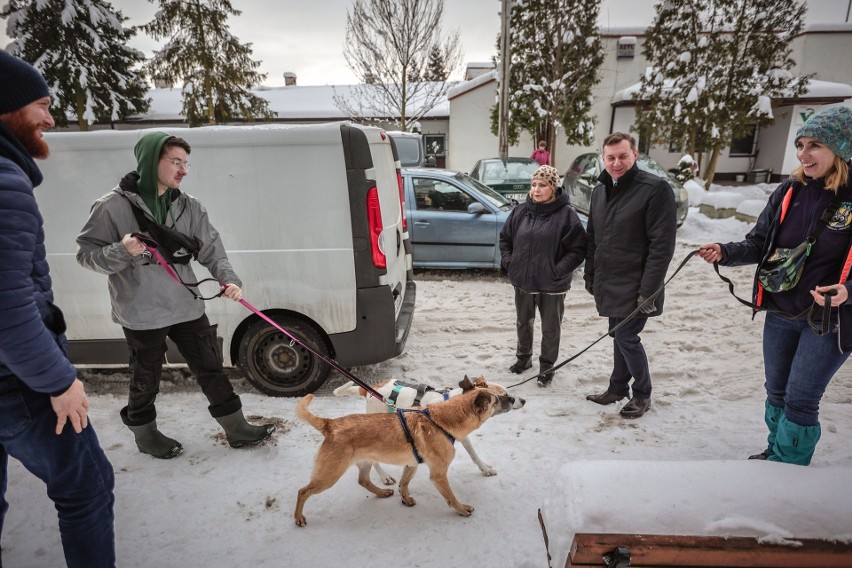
pixel 443 230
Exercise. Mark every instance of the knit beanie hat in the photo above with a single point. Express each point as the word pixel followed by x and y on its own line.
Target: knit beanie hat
pixel 547 174
pixel 22 83
pixel 832 127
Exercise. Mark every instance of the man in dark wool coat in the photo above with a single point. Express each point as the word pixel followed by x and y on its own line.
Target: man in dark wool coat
pixel 631 230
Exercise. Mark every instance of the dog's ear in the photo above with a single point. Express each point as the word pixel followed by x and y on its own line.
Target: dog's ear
pixel 465 384
pixel 483 402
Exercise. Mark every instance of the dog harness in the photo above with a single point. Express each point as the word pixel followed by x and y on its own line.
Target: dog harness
pixel 418 398
pixel 400 413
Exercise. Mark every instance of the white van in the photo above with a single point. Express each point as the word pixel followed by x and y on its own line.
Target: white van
pixel 311 216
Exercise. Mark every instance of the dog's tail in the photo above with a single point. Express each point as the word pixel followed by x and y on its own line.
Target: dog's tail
pixel 349 389
pixel 305 415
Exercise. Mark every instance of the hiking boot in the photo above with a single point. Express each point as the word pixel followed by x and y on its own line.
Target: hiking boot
pixel 635 407
pixel 761 456
pixel 240 433
pixel 520 366
pixel 151 441
pixel 604 398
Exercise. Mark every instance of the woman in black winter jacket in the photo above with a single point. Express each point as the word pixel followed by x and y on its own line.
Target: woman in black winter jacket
pixel 541 244
pixel 799 360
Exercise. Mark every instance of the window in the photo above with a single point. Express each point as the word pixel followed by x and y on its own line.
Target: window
pixel 745 145
pixel 435 144
pixel 435 195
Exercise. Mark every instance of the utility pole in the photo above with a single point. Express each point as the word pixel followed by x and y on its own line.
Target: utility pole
pixel 503 79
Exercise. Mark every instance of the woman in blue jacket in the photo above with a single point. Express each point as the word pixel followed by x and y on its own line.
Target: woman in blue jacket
pixel 541 244
pixel 799 359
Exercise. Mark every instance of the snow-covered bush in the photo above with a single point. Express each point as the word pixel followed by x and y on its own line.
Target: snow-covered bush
pixel 686 169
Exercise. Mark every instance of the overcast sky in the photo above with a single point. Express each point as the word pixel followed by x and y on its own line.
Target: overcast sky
pixel 307 38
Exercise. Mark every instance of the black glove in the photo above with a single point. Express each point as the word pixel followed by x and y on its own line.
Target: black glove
pixel 648 308
pixel 590 286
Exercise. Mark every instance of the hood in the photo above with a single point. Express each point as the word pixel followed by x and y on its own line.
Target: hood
pixel 147 152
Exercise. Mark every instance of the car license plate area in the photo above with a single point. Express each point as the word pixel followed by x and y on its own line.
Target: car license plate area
pixel 519 197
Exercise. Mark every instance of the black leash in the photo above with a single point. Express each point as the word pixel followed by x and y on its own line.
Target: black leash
pixel 617 327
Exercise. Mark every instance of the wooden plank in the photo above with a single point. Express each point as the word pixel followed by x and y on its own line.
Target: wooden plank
pixel 588 549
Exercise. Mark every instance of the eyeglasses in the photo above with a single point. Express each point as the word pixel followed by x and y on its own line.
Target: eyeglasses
pixel 178 163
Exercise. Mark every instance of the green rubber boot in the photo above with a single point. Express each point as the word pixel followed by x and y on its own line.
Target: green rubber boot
pixel 794 443
pixel 240 433
pixel 151 441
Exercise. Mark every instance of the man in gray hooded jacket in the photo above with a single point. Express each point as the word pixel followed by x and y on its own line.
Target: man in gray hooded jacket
pixel 149 304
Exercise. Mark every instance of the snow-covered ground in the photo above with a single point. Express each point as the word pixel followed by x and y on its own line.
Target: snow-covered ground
pixel 680 468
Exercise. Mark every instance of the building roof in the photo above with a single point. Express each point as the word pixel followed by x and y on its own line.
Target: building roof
pixel 824 92
pixel 291 103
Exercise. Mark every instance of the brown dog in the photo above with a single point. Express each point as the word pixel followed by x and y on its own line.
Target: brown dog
pixel 408 396
pixel 365 438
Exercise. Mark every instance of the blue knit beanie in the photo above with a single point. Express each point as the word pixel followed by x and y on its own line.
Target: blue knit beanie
pixel 20 83
pixel 832 127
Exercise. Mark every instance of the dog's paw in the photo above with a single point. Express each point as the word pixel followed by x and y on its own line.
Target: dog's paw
pixel 466 510
pixel 301 520
pixel 488 471
pixel 409 501
pixel 385 493
pixel 388 480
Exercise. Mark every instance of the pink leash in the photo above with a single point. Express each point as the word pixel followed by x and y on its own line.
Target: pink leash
pixel 151 249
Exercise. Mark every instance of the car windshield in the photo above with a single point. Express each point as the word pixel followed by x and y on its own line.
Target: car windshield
pixel 488 193
pixel 497 171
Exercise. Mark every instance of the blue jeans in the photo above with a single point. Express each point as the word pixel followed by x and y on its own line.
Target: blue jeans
pixel 629 359
pixel 78 475
pixel 799 364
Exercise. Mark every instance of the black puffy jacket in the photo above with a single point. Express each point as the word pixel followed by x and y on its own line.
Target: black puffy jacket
pixel 631 241
pixel 542 244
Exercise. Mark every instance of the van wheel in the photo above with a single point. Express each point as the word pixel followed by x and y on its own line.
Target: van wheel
pixel 278 366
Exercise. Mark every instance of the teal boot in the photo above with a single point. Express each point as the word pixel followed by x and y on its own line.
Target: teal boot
pixel 240 433
pixel 794 443
pixel 771 415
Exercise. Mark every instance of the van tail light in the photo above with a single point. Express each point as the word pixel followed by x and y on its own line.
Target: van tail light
pixel 374 218
pixel 402 200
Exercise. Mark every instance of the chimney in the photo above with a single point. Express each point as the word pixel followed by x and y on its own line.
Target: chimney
pixel 289 79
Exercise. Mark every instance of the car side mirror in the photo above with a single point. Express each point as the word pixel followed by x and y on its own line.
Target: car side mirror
pixel 476 208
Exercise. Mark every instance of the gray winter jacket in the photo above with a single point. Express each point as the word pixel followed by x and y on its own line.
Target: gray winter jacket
pixel 142 293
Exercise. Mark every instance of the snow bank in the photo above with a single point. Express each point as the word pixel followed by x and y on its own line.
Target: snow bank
pixel 765 500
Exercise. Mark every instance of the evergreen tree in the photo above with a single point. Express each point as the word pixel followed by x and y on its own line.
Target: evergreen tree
pixel 738 65
pixel 216 70
pixel 388 47
pixel 80 46
pixel 556 54
pixel 678 48
pixel 436 67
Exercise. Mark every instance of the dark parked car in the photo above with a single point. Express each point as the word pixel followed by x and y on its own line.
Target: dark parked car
pixel 509 177
pixel 582 177
pixel 453 220
pixel 409 146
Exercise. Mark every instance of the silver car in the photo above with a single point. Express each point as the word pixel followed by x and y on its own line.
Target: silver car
pixel 453 220
pixel 582 177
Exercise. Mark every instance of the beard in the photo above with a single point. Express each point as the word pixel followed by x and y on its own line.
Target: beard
pixel 28 133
